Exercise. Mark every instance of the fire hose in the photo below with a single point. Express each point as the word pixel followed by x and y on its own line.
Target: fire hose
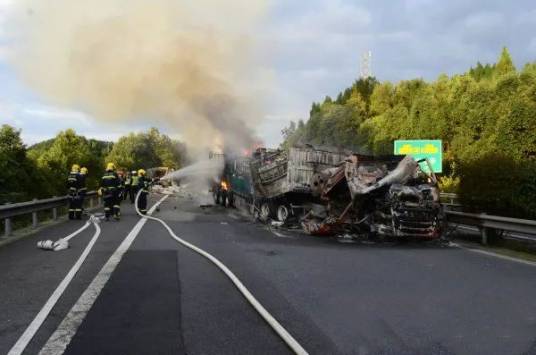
pixel 63 243
pixel 272 322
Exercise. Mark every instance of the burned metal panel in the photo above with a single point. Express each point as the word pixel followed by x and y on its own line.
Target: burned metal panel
pixel 365 175
pixel 275 173
pixel 304 163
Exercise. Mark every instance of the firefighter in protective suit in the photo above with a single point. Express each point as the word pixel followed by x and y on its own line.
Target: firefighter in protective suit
pixel 143 185
pixel 83 188
pixel 110 185
pixel 74 184
pixel 128 185
pixel 133 185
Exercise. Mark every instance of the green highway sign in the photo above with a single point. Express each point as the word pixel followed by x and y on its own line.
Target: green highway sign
pixel 420 149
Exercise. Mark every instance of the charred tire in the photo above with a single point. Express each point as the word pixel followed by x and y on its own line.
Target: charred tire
pixel 283 212
pixel 265 212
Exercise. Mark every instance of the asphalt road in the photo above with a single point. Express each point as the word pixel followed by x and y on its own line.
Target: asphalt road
pixel 334 298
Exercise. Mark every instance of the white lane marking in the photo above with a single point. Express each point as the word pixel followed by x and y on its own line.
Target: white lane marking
pixel 34 326
pixel 272 322
pixel 60 339
pixel 499 256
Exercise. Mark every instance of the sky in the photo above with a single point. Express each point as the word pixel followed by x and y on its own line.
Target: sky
pixel 312 49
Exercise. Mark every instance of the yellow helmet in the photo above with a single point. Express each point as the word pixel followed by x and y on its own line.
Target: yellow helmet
pixel 75 168
pixel 110 166
pixel 83 171
pixel 141 172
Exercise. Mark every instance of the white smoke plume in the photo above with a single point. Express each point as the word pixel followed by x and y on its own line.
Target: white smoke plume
pixel 187 63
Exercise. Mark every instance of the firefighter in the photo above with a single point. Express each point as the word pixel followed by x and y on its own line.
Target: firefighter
pixel 143 185
pixel 133 186
pixel 83 190
pixel 110 191
pixel 74 184
pixel 121 176
pixel 128 185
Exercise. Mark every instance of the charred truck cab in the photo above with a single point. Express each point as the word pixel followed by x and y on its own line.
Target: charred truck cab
pixel 387 196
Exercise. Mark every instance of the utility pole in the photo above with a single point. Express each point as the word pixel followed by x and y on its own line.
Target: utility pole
pixel 366 65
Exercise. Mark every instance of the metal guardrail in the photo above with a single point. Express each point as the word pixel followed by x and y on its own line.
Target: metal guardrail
pixel 450 197
pixel 481 221
pixel 8 211
pixel 485 222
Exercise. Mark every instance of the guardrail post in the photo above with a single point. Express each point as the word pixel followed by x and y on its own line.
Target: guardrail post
pixel 7 227
pixel 34 217
pixel 54 212
pixel 90 201
pixel 484 234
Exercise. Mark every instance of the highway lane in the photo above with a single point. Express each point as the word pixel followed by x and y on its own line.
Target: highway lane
pixel 333 297
pixel 28 276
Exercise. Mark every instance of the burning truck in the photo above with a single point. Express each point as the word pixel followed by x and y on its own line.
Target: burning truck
pixel 331 192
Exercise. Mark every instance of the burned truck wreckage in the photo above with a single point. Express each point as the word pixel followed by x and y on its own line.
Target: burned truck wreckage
pixel 388 196
pixel 334 192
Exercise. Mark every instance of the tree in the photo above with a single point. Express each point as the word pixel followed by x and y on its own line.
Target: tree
pixel 382 98
pixel 55 162
pixel 169 151
pixel 505 64
pixel 482 72
pixel 146 150
pixel 133 152
pixel 15 168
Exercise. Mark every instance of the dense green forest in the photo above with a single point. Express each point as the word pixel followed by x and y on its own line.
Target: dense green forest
pixel 41 170
pixel 486 118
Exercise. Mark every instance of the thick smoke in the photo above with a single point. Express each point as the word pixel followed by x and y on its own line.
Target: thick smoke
pixel 186 63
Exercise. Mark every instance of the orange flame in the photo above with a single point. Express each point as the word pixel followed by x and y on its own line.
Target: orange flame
pixel 224 186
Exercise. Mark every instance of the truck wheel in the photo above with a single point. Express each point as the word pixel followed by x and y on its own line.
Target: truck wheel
pixel 264 214
pixel 282 213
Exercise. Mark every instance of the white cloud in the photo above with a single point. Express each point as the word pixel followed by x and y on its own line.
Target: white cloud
pixel 53 113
